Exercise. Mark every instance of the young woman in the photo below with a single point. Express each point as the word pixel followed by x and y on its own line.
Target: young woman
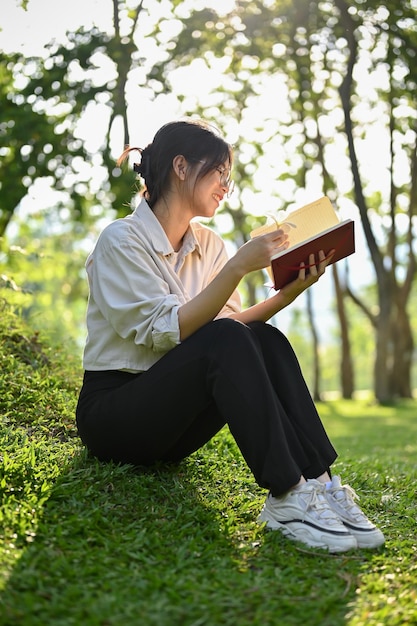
pixel 171 358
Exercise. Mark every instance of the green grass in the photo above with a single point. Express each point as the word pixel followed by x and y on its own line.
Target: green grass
pixel 103 545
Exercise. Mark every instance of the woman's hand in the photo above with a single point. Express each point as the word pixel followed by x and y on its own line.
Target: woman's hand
pixel 263 311
pixel 256 253
pixel 307 276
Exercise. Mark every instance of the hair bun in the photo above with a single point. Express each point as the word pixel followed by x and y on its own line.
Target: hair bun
pixel 144 167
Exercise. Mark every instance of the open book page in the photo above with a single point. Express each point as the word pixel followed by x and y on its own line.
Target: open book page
pixel 303 223
pixel 310 220
pixel 311 228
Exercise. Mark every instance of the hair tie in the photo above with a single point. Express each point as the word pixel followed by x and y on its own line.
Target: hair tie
pixel 144 167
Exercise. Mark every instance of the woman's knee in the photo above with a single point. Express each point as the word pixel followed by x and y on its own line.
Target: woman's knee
pixel 233 327
pixel 271 337
pixel 231 334
pixel 264 329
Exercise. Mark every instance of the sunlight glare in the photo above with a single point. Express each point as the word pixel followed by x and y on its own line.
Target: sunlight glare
pixel 47 20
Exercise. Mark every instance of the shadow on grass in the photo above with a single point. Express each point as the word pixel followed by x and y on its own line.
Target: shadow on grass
pixel 121 547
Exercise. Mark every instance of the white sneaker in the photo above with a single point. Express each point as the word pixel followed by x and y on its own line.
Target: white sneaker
pixel 303 514
pixel 341 498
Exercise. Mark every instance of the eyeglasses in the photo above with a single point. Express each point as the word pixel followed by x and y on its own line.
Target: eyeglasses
pixel 226 180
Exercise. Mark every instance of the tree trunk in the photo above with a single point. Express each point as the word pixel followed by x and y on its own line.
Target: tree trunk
pixel 384 353
pixel 387 334
pixel 346 367
pixel 347 381
pixel 402 357
pixel 316 361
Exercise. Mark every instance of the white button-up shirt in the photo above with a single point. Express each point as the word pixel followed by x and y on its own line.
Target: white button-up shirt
pixel 137 284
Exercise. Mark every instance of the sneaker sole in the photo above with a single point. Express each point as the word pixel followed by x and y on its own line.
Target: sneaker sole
pixel 366 537
pixel 312 536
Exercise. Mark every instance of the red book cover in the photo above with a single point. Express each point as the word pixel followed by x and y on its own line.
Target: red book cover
pixel 286 265
pixel 311 228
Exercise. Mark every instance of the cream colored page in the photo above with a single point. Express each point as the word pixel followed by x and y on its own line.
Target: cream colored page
pixel 304 223
pixel 310 220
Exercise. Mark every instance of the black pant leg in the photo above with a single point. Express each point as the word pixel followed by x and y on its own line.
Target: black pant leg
pixel 298 406
pixel 217 374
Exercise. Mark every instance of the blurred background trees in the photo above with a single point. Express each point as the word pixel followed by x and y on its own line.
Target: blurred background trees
pixel 318 98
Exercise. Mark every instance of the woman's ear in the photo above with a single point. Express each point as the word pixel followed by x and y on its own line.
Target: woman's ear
pixel 179 165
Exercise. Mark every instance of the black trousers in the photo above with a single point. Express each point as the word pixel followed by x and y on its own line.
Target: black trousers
pixel 246 376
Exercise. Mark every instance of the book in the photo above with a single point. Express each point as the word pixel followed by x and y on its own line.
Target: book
pixel 311 228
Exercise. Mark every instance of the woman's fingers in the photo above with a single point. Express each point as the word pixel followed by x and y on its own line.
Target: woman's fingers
pixel 316 267
pixel 312 265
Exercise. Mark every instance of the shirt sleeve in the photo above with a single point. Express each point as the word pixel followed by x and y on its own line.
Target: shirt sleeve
pixel 213 247
pixel 132 294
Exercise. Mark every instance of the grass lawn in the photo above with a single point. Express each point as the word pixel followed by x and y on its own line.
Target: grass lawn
pixel 102 545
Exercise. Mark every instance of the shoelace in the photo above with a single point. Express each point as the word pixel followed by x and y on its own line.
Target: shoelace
pixel 317 502
pixel 346 496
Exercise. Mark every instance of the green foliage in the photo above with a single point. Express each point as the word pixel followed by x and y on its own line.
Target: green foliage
pixel 45 100
pixel 87 543
pixel 38 384
pixel 45 281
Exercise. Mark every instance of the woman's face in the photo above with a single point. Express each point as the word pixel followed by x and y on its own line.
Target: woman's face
pixel 210 190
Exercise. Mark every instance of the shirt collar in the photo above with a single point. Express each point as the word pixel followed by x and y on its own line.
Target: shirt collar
pixel 157 235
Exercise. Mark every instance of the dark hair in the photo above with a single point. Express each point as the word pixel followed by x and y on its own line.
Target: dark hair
pixel 195 140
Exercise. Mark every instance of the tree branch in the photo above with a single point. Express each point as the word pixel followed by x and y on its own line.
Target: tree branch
pixel 345 91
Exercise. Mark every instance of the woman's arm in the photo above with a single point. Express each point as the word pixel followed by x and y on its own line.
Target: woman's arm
pixel 205 306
